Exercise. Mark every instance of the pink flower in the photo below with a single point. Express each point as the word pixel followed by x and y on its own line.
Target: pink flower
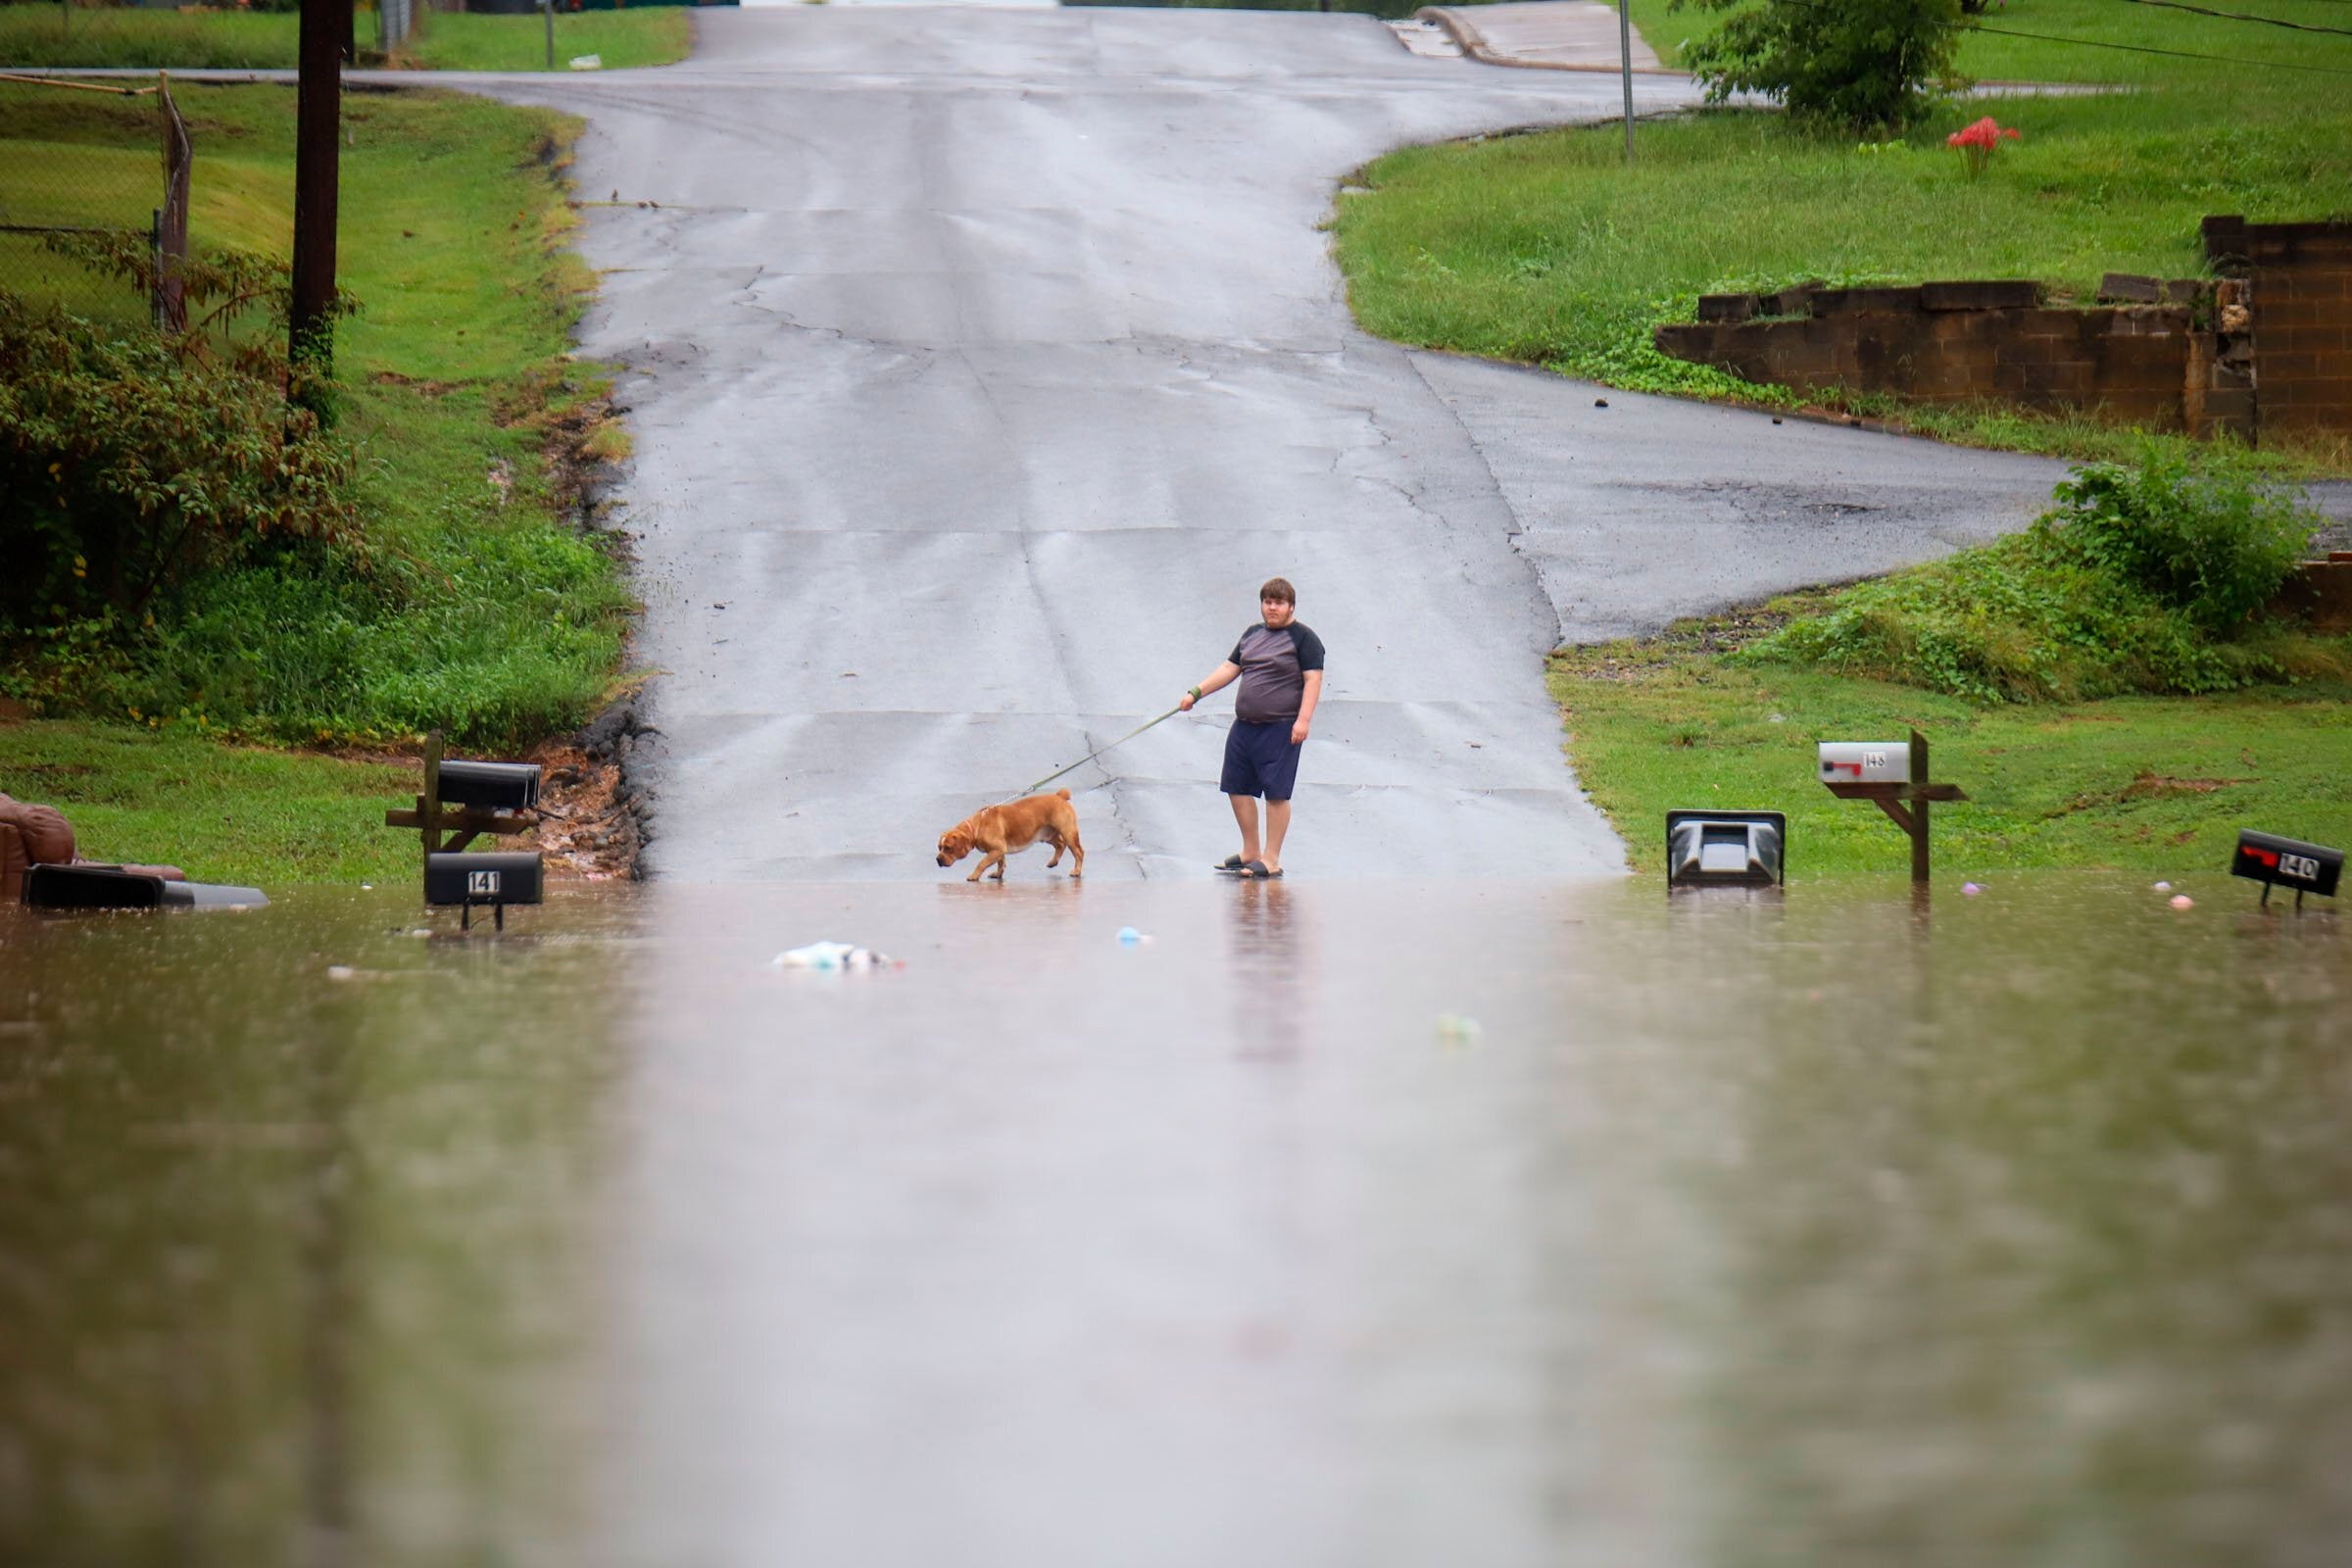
pixel 1986 132
pixel 1977 141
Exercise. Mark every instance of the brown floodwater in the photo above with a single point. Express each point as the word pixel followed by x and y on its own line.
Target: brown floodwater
pixel 1362 1223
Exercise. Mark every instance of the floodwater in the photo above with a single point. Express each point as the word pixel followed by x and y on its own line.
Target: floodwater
pixel 1363 1223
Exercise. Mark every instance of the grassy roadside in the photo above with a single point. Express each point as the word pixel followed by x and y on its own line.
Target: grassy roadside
pixel 221 813
pixel 483 613
pixel 2149 784
pixel 458 40
pixel 49 35
pixel 2086 40
pixel 486 610
pixel 1544 249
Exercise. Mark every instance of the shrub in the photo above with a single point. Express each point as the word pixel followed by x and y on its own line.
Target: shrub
pixel 128 461
pixel 1859 66
pixel 2141 579
pixel 181 545
pixel 2215 545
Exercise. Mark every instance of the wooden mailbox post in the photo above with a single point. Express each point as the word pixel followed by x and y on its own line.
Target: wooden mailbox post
pixel 1906 801
pixel 463 823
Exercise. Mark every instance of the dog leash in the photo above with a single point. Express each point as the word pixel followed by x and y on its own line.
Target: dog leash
pixel 1090 756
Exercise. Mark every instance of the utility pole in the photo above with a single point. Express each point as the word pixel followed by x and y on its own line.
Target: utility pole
pixel 326 42
pixel 1625 49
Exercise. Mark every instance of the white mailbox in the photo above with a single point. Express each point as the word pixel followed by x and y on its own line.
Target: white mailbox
pixel 1865 762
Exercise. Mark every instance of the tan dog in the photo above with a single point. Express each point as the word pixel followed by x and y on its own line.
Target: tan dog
pixel 996 831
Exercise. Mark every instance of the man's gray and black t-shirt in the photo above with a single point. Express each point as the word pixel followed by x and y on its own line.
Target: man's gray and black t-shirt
pixel 1274 666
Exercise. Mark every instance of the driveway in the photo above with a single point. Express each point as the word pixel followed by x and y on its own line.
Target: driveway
pixel 982 363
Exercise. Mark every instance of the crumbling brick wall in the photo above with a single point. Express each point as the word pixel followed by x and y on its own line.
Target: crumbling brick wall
pixel 1953 343
pixel 2267 347
pixel 2300 281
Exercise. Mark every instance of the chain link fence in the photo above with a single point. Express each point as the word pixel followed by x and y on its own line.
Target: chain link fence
pixel 73 167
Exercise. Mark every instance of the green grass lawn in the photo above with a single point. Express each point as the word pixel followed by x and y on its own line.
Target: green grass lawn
pixel 453 235
pixel 229 41
pixel 1546 249
pixel 221 813
pixel 2093 40
pixel 451 230
pixel 457 40
pixel 452 379
pixel 2158 785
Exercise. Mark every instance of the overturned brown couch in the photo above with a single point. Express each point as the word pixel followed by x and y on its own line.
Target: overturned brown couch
pixel 39 835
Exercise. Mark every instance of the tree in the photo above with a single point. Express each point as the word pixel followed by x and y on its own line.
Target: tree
pixel 1859 65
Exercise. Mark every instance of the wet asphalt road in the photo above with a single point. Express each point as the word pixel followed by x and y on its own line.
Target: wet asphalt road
pixel 980 364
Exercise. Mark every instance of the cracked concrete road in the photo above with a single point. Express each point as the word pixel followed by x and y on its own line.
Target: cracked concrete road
pixel 980 364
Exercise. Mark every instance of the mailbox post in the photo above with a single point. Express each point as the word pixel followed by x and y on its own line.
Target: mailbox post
pixel 1893 775
pixel 464 799
pixel 2281 863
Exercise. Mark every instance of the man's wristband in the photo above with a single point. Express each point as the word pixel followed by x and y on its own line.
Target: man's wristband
pixel 1194 692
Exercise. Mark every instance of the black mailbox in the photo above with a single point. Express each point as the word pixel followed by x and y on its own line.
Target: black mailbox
pixel 82 887
pixel 501 786
pixel 2278 862
pixel 509 877
pixel 1731 849
pixel 110 887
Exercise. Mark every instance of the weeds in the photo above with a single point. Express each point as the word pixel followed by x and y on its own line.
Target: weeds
pixel 2145 578
pixel 234 41
pixel 451 590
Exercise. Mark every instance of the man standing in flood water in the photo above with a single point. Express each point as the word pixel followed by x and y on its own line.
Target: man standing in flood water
pixel 1280 665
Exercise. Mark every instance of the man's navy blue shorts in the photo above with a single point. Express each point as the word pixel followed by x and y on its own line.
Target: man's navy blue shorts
pixel 1260 760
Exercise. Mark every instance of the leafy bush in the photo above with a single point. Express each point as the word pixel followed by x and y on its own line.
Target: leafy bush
pixel 1858 64
pixel 182 544
pixel 498 637
pixel 125 463
pixel 505 636
pixel 2141 579
pixel 2215 545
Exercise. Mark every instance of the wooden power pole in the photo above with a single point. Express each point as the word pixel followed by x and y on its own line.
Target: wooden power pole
pixel 318 129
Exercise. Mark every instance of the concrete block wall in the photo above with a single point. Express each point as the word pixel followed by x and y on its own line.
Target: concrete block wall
pixel 2267 347
pixel 2300 278
pixel 1956 342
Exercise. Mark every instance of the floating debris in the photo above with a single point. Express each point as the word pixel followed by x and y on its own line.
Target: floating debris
pixel 831 956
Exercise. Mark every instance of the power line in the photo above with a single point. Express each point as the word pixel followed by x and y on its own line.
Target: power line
pixel 2140 48
pixel 2241 16
pixel 2176 54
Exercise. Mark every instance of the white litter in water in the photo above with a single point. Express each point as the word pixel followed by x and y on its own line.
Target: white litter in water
pixel 587 62
pixel 2162 887
pixel 1972 888
pixel 340 972
pixel 829 955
